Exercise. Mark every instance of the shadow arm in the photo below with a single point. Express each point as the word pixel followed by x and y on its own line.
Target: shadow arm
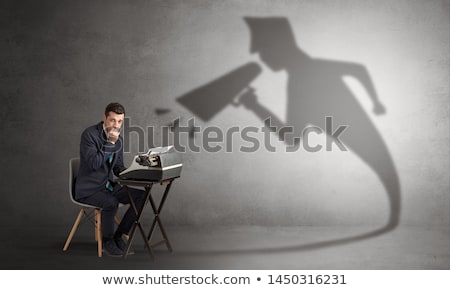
pixel 361 73
pixel 250 101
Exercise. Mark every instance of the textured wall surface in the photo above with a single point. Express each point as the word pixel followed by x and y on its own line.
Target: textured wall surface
pixel 63 61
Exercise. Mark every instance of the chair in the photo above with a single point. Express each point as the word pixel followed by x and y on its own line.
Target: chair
pixel 92 213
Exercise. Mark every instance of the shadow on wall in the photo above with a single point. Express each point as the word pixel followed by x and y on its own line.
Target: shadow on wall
pixel 315 90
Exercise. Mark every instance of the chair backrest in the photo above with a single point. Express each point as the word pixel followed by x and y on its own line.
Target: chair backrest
pixel 74 166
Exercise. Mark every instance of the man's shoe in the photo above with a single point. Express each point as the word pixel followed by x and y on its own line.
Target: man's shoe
pixel 110 249
pixel 122 245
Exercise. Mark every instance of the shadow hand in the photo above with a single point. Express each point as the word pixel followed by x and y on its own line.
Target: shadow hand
pixel 249 99
pixel 379 109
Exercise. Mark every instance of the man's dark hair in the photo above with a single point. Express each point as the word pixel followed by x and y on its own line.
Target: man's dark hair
pixel 114 107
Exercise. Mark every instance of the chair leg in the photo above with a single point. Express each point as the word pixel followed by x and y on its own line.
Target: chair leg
pixel 73 230
pixel 117 219
pixel 98 231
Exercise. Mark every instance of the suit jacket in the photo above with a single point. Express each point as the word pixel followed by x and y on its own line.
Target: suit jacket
pixel 97 166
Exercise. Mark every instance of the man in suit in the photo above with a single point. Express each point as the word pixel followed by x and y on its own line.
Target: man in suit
pixel 101 156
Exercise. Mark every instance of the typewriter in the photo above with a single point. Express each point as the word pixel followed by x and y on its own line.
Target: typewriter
pixel 157 165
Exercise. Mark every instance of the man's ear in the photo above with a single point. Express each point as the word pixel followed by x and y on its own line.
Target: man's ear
pixel 104 118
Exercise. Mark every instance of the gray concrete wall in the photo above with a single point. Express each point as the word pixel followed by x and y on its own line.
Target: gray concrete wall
pixel 63 61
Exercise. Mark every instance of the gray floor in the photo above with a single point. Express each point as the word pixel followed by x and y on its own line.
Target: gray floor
pixel 238 248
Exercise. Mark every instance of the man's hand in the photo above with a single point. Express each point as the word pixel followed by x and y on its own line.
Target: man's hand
pixel 112 134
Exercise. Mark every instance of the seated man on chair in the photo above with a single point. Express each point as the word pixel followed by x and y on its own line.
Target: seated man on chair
pixel 101 156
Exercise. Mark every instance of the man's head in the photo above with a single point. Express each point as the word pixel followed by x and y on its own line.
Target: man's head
pixel 114 115
pixel 273 39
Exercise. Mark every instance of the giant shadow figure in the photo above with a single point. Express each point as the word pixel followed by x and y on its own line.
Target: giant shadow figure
pixel 315 90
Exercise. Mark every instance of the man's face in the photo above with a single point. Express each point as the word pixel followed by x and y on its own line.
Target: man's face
pixel 113 121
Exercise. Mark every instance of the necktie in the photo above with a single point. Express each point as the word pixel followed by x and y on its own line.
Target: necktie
pixel 108 183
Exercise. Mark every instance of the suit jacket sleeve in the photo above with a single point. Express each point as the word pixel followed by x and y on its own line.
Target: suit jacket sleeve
pixel 95 150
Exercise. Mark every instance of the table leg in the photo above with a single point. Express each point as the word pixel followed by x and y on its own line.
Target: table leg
pixel 137 223
pixel 157 212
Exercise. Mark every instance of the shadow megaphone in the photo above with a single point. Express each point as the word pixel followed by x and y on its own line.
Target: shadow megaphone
pixel 208 100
